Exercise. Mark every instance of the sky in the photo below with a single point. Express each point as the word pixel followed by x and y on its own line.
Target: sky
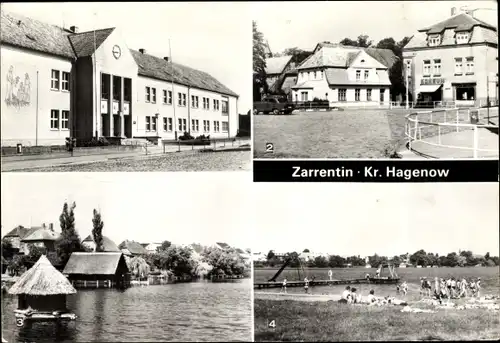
pixel 388 219
pixel 303 25
pixel 213 37
pixel 182 208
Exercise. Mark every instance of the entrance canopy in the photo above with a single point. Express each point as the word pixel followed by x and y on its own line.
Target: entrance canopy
pixel 428 88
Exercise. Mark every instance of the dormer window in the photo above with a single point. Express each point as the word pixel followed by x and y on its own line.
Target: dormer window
pixel 462 37
pixel 358 74
pixel 434 40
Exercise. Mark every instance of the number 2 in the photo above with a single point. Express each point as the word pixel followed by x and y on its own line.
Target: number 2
pixel 272 324
pixel 269 147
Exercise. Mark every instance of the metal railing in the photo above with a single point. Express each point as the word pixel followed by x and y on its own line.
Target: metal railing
pixel 428 127
pixel 233 142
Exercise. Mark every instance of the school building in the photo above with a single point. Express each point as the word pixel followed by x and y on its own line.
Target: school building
pixel 345 76
pixel 455 60
pixel 60 83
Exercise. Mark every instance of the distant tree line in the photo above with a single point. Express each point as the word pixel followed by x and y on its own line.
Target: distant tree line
pixel 420 258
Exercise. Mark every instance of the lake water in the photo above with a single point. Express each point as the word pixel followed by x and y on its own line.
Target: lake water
pixel 197 311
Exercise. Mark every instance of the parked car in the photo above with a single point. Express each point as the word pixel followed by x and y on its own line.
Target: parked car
pixel 273 105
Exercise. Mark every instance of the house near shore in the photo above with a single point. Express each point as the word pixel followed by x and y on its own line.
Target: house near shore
pixel 22 238
pixel 97 270
pixel 345 76
pixel 107 244
pixel 132 248
pixel 151 247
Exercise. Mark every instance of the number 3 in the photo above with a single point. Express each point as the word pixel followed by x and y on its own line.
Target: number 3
pixel 272 324
pixel 269 147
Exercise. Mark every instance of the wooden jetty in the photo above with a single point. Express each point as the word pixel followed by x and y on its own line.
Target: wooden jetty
pixel 312 283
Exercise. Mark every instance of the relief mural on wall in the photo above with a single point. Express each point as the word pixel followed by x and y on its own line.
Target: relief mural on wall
pixel 17 89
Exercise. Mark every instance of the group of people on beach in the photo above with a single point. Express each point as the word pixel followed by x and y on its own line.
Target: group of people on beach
pixel 306 285
pixel 450 288
pixel 351 296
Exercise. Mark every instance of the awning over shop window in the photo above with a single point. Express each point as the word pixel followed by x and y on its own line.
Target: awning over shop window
pixel 428 88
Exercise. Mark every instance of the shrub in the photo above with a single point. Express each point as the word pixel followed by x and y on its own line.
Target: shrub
pixel 101 141
pixel 186 136
pixel 203 137
pixel 391 151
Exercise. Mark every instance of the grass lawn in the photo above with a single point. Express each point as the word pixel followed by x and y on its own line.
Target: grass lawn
pixel 331 321
pixel 196 161
pixel 352 133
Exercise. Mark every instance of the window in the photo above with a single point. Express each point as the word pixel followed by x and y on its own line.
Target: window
pixel 206 125
pixel 194 101
pixel 206 103
pixel 167 124
pixel 183 99
pixel 153 97
pixel 225 126
pixel 382 95
pixel 182 125
pixel 216 126
pixel 437 67
pixel 366 74
pixel 54 119
pixel 165 98
pixel 357 93
pixel 314 78
pixel 458 66
pixel 195 125
pixel 65 81
pixel 170 97
pixel 148 94
pixel 225 107
pixel 127 89
pixel 154 121
pixel 342 94
pixel 368 95
pixel 462 37
pixel 105 79
pixel 321 74
pixel 148 123
pixel 434 40
pixel 64 120
pixel 216 105
pixel 179 96
pixel 117 87
pixel 303 96
pixel 469 64
pixel 54 83
pixel 427 68
pixel 358 75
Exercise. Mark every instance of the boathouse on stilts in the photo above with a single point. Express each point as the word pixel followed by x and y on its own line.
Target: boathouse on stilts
pixel 42 292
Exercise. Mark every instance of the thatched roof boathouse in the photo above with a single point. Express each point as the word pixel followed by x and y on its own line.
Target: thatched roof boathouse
pixel 42 292
pixel 97 270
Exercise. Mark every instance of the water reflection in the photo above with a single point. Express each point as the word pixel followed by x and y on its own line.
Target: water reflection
pixel 198 311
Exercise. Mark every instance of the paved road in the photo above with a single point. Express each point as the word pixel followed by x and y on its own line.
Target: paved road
pixel 18 163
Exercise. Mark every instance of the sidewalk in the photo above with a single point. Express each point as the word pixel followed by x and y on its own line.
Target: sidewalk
pixel 19 163
pixel 422 150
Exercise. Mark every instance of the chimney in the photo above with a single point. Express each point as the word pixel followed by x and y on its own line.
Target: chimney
pixel 142 51
pixel 453 11
pixel 165 58
pixel 73 29
pixel 51 226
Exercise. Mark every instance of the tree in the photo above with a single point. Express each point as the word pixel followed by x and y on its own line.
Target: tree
pixel 320 262
pixel 16 265
pixel 270 254
pixel 306 250
pixel 138 267
pixel 336 261
pixel 298 55
pixel 8 251
pixel 164 246
pixel 224 262
pixel 259 64
pixel 362 41
pixel 69 240
pixel 97 225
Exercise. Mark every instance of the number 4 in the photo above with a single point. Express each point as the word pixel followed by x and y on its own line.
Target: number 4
pixel 272 324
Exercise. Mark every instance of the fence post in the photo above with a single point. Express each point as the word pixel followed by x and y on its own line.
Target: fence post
pixel 416 126
pixel 476 141
pixel 146 148
pixel 163 147
pixel 179 145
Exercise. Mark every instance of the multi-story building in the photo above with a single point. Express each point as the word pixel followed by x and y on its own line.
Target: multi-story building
pixel 455 60
pixel 60 83
pixel 345 76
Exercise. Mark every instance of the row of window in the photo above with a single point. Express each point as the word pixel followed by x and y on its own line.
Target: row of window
pixel 58 83
pixel 433 67
pixel 460 38
pixel 167 99
pixel 59 120
pixel 365 74
pixel 342 95
pixel 151 125
pixel 312 75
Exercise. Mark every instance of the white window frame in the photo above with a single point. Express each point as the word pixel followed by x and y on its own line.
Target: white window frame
pixel 434 40
pixel 366 74
pixel 170 98
pixel 65 83
pixel 216 126
pixel 357 94
pixel 426 68
pixel 179 94
pixel 462 37
pixel 65 120
pixel 55 80
pixel 459 66
pixel 342 95
pixel 358 75
pixel 469 65
pixel 153 95
pixel 54 120
pixel 369 94
pixel 154 123
pixel 148 123
pixel 148 94
pixel 436 67
pixel 165 98
pixel 225 126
